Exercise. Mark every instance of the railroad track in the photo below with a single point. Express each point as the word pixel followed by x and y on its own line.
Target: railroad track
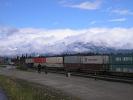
pixel 96 77
pixel 106 77
pixel 100 77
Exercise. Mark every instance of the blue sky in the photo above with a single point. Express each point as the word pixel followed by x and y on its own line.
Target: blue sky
pixel 51 26
pixel 75 14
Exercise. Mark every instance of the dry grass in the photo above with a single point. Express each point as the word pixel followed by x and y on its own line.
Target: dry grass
pixel 23 90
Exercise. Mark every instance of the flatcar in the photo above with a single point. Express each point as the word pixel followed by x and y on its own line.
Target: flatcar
pixel 95 63
pixel 87 64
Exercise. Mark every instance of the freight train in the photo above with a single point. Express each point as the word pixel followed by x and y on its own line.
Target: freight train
pixel 115 64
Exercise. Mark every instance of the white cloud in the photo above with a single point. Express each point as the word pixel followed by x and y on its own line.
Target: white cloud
pixel 122 12
pixel 27 40
pixel 87 5
pixel 12 49
pixel 118 20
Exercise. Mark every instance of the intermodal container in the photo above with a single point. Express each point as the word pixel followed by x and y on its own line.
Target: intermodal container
pixel 121 68
pixel 39 60
pixel 72 59
pixel 54 65
pixel 121 59
pixel 54 60
pixel 94 59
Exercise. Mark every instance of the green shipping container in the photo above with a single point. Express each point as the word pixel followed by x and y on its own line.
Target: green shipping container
pixel 121 68
pixel 121 59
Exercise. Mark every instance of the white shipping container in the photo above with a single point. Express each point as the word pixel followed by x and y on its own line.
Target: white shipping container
pixel 94 59
pixel 54 65
pixel 29 60
pixel 54 60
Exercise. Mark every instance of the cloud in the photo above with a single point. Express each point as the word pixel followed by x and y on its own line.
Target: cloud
pixel 122 12
pixel 87 5
pixel 29 40
pixel 12 49
pixel 118 20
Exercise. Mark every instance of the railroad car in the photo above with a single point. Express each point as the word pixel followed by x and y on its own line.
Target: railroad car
pixel 55 63
pixel 121 68
pixel 94 64
pixel 121 65
pixel 72 63
pixel 123 59
pixel 87 64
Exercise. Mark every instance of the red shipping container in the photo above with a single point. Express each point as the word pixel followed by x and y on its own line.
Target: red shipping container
pixel 39 60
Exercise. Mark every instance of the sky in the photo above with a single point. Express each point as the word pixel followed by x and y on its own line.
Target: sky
pixel 75 14
pixel 37 25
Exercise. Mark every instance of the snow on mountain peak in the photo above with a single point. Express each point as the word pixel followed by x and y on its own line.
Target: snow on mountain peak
pixel 18 41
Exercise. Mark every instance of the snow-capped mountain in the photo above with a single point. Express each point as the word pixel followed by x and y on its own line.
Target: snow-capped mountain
pixel 59 41
pixel 80 47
